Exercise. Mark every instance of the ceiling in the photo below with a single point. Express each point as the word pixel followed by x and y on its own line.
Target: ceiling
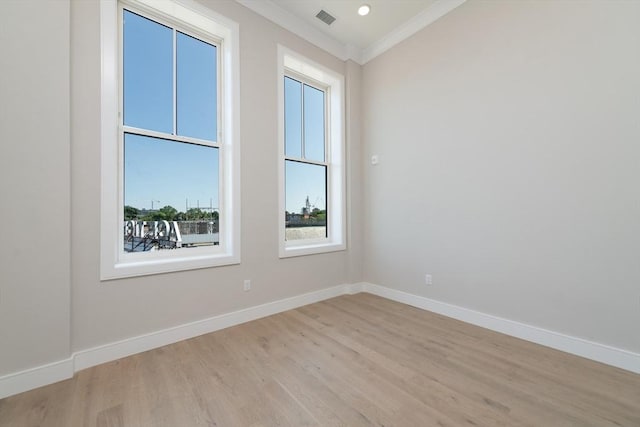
pixel 352 36
pixel 350 28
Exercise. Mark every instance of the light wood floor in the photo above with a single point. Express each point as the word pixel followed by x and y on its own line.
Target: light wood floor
pixel 354 360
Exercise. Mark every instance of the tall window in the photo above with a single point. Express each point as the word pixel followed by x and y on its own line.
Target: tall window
pixel 305 160
pixel 175 154
pixel 170 135
pixel 312 157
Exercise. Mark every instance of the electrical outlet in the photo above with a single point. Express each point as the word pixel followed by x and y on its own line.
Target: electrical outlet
pixel 247 285
pixel 428 280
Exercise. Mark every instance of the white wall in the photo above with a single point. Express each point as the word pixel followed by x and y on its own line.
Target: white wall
pixel 104 312
pixel 34 184
pixel 509 144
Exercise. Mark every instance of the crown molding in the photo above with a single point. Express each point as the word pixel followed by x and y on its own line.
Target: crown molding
pixel 354 53
pixel 291 22
pixel 425 18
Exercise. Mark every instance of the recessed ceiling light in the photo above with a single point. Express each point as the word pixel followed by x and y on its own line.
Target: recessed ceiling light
pixel 364 10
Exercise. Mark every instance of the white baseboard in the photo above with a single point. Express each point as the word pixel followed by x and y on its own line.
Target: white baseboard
pixel 580 347
pixel 112 351
pixel 47 374
pixel 35 377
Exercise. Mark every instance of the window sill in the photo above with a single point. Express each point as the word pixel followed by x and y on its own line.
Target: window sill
pixel 131 268
pixel 311 249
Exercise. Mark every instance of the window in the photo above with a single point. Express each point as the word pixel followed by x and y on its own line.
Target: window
pixel 311 129
pixel 170 169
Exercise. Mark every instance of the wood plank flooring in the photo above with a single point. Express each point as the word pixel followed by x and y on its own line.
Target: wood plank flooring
pixel 355 360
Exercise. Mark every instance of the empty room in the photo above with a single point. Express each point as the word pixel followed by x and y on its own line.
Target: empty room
pixel 320 213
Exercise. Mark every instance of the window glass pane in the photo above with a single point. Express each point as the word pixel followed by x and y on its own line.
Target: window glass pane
pixel 313 124
pixel 169 181
pixel 305 200
pixel 292 117
pixel 196 90
pixel 148 74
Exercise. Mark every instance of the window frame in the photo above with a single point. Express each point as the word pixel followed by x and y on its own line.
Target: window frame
pixel 191 19
pixel 306 71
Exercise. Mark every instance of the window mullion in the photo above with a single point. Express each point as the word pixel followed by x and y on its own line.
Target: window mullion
pixel 175 85
pixel 302 153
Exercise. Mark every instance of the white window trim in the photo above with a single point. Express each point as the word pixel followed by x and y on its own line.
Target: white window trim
pixel 289 60
pixel 114 263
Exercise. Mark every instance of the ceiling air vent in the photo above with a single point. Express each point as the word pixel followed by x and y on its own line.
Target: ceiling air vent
pixel 325 17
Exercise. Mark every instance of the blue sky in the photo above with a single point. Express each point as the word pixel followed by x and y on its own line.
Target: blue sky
pixel 167 172
pixel 304 139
